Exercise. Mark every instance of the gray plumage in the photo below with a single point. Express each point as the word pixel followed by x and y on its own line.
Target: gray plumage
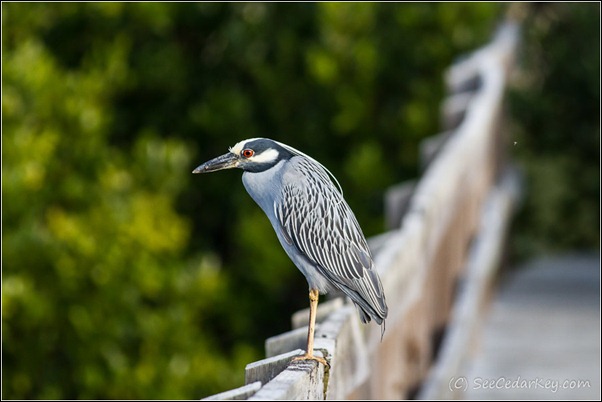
pixel 314 224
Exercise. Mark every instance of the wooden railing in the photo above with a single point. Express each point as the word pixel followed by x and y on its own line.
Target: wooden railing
pixel 436 263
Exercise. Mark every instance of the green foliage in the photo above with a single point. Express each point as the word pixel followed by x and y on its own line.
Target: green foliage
pixel 556 112
pixel 123 275
pixel 97 299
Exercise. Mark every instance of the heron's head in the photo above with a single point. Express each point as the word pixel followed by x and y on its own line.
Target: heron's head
pixel 252 155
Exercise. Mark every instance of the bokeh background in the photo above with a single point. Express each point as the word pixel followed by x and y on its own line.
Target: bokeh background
pixel 124 276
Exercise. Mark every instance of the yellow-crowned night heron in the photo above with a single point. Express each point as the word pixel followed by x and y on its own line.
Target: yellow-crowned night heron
pixel 313 222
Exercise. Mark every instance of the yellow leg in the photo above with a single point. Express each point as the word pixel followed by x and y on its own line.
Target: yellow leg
pixel 313 306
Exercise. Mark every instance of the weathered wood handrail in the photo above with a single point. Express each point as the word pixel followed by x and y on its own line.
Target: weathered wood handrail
pixel 420 263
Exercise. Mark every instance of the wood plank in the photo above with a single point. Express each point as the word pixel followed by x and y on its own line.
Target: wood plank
pixel 301 317
pixel 265 370
pixel 349 365
pixel 241 393
pixel 302 380
pixel 481 265
pixel 397 201
pixel 286 342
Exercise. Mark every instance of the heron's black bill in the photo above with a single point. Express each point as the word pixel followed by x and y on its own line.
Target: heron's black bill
pixel 226 161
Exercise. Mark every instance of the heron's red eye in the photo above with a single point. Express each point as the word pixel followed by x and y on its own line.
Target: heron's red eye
pixel 247 153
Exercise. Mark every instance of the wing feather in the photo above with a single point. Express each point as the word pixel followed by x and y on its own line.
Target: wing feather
pixel 316 219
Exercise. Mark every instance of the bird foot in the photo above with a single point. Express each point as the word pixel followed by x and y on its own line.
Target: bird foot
pixel 307 356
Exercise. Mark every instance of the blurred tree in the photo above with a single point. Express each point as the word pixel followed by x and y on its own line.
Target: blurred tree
pixel 122 276
pixel 97 300
pixel 556 112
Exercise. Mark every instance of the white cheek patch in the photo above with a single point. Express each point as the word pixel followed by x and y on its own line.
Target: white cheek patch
pixel 267 156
